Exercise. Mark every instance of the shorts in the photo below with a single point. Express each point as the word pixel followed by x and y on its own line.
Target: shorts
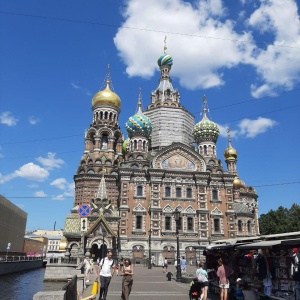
pixel 224 285
pixel 204 284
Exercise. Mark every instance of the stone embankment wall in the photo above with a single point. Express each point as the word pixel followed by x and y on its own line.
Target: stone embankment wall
pixel 18 266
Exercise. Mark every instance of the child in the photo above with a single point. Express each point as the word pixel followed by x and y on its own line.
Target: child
pixel 239 289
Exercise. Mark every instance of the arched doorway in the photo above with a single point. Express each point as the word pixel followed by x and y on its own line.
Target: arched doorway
pixel 169 254
pixel 103 251
pixel 138 255
pixel 95 252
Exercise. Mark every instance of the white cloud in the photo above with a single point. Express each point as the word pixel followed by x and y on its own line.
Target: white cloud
pixel 278 67
pixel 33 120
pixel 67 188
pixel 60 183
pixel 251 128
pixel 206 43
pixel 40 194
pixel 50 162
pixel 223 131
pixel 198 61
pixel 28 171
pixel 8 119
pixel 82 89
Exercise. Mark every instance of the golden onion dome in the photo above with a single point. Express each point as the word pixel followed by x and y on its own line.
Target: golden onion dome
pixel 106 97
pixel 230 154
pixel 237 183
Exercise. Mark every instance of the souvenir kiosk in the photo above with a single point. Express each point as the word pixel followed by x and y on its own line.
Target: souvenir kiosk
pixel 266 266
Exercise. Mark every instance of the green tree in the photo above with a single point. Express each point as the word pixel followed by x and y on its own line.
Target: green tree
pixel 281 220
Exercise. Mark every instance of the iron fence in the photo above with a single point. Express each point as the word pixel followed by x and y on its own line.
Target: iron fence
pixel 71 289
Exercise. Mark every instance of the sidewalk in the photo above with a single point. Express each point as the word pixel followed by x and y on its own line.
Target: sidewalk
pixel 148 284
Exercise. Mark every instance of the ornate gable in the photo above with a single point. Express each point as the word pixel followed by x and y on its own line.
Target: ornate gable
pixel 217 212
pixel 100 223
pixel 179 157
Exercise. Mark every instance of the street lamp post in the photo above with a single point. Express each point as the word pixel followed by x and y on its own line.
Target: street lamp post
pixel 177 219
pixel 149 262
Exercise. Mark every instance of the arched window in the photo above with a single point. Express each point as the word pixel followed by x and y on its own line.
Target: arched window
pixel 167 191
pixel 205 149
pixel 249 226
pixel 178 192
pixel 240 226
pixel 189 193
pixel 138 224
pixel 167 223
pixel 139 191
pixel 215 195
pixel 190 223
pixel 104 141
pixel 135 145
pixel 216 225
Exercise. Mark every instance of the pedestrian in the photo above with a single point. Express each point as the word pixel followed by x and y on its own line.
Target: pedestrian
pixel 127 281
pixel 183 264
pixel 117 269
pixel 203 282
pixel 106 272
pixel 165 265
pixel 223 273
pixel 92 266
pixel 87 267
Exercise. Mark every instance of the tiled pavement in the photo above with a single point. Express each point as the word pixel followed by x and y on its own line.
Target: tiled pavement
pixel 148 284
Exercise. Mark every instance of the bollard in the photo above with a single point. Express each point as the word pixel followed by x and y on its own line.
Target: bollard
pixel 169 276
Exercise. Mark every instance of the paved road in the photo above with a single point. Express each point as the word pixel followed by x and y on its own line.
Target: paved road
pixel 149 285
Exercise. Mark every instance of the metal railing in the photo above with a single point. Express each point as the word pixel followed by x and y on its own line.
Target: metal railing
pixel 71 288
pixel 62 260
pixel 13 258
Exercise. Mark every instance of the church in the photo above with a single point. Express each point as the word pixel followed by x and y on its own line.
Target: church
pixel 129 189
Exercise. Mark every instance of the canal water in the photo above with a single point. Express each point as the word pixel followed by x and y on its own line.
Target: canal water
pixel 23 285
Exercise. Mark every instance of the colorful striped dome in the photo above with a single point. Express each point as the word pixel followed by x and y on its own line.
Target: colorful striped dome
pixel 165 60
pixel 206 130
pixel 139 124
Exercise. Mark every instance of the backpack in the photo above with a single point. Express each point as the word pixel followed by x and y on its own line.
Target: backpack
pixel 201 277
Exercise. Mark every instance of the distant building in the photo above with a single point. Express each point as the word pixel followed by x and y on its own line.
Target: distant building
pixel 168 163
pixel 56 243
pixel 12 226
pixel 35 245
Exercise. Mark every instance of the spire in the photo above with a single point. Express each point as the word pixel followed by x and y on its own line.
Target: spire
pixel 101 193
pixel 139 111
pixel 204 106
pixel 107 80
pixel 229 138
pixel 165 45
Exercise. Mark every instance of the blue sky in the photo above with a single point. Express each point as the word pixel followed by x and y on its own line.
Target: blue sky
pixel 243 55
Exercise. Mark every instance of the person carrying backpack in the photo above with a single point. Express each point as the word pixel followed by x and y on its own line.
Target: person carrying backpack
pixel 106 272
pixel 203 280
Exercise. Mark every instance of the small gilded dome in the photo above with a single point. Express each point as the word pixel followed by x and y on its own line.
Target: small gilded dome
pixel 139 124
pixel 106 97
pixel 237 183
pixel 124 145
pixel 165 60
pixel 230 153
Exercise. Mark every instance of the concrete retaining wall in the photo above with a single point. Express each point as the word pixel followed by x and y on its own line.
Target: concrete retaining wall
pixel 60 272
pixel 17 266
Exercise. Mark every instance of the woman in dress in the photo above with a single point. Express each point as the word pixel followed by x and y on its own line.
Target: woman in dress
pixel 127 281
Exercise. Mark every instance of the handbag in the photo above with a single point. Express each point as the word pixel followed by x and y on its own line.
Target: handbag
pixel 95 288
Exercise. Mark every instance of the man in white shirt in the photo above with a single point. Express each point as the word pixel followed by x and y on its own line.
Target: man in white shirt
pixel 106 272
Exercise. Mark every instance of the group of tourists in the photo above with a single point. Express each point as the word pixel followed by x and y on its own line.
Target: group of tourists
pixel 106 270
pixel 242 292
